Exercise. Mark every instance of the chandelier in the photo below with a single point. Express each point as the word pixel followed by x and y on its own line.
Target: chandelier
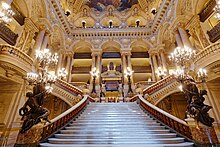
pixel 182 55
pixel 217 10
pixel 45 60
pixel 6 13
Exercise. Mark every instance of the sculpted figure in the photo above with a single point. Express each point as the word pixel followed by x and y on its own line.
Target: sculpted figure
pixel 32 111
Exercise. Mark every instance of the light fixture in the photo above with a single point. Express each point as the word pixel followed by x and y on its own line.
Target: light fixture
pixel 161 72
pixel 181 56
pixel 195 108
pixel 6 13
pixel 217 9
pixel 129 73
pixel 62 73
pixel 32 111
pixel 94 73
pixel 202 75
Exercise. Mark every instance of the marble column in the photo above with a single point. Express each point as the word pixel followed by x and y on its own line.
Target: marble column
pixel 25 41
pixel 93 61
pixel 39 39
pixel 45 41
pixel 154 59
pixel 129 61
pixel 69 79
pixel 59 64
pixel 124 68
pixel 68 64
pixel 9 1
pixel 124 63
pixel 153 70
pixel 98 67
pixel 185 38
pixel 178 40
pixel 163 59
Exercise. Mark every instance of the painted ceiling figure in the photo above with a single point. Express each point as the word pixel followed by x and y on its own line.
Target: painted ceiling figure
pixel 120 5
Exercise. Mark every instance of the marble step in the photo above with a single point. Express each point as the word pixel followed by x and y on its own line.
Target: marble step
pixel 117 141
pixel 115 129
pixel 125 132
pixel 113 136
pixel 113 124
pixel 184 144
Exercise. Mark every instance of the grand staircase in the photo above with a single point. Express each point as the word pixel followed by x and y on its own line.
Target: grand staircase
pixel 114 125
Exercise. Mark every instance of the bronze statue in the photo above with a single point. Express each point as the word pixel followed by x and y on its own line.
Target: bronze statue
pixel 196 107
pixel 36 112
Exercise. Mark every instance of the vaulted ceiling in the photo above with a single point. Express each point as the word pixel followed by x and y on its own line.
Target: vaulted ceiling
pixel 99 12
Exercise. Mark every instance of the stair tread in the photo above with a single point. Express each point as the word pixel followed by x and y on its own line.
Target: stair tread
pixel 113 125
pixel 184 144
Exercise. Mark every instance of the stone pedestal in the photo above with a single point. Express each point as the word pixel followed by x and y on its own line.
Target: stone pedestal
pixel 202 133
pixel 31 137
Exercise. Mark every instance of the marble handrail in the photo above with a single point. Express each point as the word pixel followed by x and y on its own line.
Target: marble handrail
pixel 158 85
pixel 69 87
pixel 69 110
pixel 166 118
pixel 61 120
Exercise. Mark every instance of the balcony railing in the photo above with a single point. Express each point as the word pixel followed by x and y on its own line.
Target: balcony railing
pixel 13 56
pixel 208 55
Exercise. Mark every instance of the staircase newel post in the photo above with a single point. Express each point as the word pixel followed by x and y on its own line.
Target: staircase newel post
pixel 202 133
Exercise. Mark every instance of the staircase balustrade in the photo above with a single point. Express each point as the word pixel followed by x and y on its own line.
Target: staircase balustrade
pixel 63 119
pixel 158 85
pixel 69 87
pixel 133 99
pixel 173 122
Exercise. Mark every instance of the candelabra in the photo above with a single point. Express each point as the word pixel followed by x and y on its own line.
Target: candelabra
pixel 94 74
pixel 195 108
pixel 129 73
pixel 161 72
pixel 217 10
pixel 32 111
pixel 6 13
pixel 62 73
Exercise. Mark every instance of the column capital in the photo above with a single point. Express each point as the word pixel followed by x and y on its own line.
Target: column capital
pixel 125 52
pixel 69 53
pixel 30 26
pixel 96 52
pixel 153 52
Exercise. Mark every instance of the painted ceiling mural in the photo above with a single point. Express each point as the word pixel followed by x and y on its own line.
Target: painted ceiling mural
pixel 120 5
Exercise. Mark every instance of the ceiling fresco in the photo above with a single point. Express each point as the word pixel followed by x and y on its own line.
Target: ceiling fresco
pixel 120 5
